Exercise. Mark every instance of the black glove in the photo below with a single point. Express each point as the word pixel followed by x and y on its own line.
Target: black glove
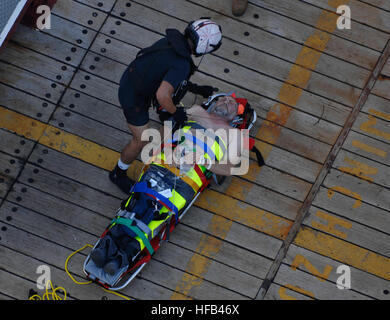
pixel 180 115
pixel 204 91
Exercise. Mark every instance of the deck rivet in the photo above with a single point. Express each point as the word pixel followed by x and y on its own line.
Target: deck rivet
pixel 7 171
pixel 226 70
pixel 246 33
pixel 3 228
pixel 12 161
pixel 108 41
pixel 14 209
pixel 97 59
pixel 386 292
pixel 90 22
pixel 71 106
pixel 24 190
pixel 100 4
pixel 44 104
pixel 256 16
pixel 40 160
pixel 18 199
pixel 45 151
pixel 39 115
pixel 36 171
pixel 128 4
pixel 94 14
pixel 61 124
pixel 67 114
pixel 118 23
pixel 122 14
pixel 30 180
pixel 85 31
pixel 83 86
pixel 58 77
pixel 87 78
pixel 77 95
pixel 79 41
pixel 68 58
pixel 113 32
pixel 63 68
pixel 74 49
pixel 48 95
pixel 92 67
pixel 17 151
pixel 9 218
pixel 236 53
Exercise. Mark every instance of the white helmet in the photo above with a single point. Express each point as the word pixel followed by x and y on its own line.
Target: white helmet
pixel 205 34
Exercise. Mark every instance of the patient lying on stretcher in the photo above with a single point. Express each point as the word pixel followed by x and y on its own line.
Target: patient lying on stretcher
pixel 208 139
pixel 206 144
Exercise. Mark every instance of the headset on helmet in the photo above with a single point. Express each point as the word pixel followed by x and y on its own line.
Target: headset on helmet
pixel 205 34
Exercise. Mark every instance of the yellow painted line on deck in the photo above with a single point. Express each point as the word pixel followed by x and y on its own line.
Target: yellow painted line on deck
pixel 226 208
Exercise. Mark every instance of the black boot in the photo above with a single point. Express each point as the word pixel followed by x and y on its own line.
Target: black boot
pixel 104 251
pixel 120 178
pixel 117 262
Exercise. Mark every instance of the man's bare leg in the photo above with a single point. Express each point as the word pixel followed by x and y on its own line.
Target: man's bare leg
pixel 128 155
pixel 131 151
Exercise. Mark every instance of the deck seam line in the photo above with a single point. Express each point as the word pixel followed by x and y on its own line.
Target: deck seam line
pixel 303 211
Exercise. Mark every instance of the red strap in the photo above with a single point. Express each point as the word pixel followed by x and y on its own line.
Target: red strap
pixel 200 173
pixel 251 143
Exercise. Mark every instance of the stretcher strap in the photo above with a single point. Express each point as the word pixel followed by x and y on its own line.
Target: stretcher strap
pixel 201 175
pixel 206 149
pixel 128 223
pixel 176 172
pixel 141 187
pixel 209 134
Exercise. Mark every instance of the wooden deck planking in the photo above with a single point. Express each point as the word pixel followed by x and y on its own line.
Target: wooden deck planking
pixel 367 20
pixel 363 15
pixel 325 268
pixel 64 184
pixel 30 83
pixel 340 92
pixel 311 286
pixel 84 15
pixel 382 4
pixel 376 103
pixel 272 39
pixel 207 289
pixel 352 206
pixel 277 292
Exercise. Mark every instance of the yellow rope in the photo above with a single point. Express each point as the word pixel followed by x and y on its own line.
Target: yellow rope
pixel 87 282
pixel 66 264
pixel 50 295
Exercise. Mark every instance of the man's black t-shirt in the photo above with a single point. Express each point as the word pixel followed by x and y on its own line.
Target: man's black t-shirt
pixel 171 61
pixel 172 64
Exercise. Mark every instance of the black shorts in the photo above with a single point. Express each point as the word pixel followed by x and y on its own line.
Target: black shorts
pixel 135 106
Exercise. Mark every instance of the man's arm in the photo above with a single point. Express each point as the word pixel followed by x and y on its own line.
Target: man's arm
pixel 164 96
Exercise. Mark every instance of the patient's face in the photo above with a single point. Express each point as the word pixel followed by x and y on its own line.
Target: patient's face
pixel 226 107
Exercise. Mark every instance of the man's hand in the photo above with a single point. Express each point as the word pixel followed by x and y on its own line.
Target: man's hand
pixel 204 91
pixel 180 115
